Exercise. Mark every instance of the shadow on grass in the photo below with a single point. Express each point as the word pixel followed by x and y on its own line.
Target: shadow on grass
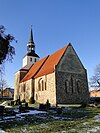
pixel 50 121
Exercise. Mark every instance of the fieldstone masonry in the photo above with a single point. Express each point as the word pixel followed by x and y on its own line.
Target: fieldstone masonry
pixel 47 90
pixel 71 79
pixel 67 84
pixel 74 91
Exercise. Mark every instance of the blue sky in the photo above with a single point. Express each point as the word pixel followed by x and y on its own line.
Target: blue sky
pixel 55 23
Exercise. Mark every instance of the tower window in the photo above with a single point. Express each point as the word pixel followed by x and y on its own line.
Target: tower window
pixel 30 59
pixel 35 60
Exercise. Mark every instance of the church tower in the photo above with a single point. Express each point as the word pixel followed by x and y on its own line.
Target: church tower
pixel 31 57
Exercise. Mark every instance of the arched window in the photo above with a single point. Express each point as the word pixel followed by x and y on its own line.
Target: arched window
pixel 78 86
pixel 66 86
pixel 71 84
pixel 39 84
pixel 42 85
pixel 45 86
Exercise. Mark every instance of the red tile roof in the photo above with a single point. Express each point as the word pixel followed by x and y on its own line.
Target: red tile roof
pixel 95 93
pixel 49 65
pixel 45 66
pixel 34 69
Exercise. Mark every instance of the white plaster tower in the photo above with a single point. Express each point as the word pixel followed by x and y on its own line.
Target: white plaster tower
pixel 31 57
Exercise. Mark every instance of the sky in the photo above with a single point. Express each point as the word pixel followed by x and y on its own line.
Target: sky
pixel 55 23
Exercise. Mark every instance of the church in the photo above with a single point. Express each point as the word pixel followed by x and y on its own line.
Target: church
pixel 59 78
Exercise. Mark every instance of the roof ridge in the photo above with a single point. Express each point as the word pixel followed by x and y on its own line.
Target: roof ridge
pixel 64 51
pixel 53 59
pixel 45 65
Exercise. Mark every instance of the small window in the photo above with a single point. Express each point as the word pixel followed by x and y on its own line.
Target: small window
pixel 67 86
pixel 78 86
pixel 39 86
pixel 42 85
pixel 71 84
pixel 45 86
pixel 30 59
pixel 35 60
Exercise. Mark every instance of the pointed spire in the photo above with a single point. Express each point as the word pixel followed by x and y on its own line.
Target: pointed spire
pixel 31 44
pixel 31 36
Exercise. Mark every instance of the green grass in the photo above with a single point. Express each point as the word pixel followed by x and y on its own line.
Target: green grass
pixel 73 120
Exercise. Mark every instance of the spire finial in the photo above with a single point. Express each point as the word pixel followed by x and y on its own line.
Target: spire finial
pixel 31 36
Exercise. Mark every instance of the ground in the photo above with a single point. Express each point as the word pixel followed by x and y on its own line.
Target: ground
pixel 73 119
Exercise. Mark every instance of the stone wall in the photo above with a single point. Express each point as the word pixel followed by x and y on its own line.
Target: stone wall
pixel 71 79
pixel 68 84
pixel 16 85
pixel 18 76
pixel 71 88
pixel 45 89
pixel 26 91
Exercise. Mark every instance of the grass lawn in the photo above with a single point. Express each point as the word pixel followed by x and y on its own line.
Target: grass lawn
pixel 71 120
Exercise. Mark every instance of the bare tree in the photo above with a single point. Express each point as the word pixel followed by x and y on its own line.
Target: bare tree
pixel 95 79
pixel 3 83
